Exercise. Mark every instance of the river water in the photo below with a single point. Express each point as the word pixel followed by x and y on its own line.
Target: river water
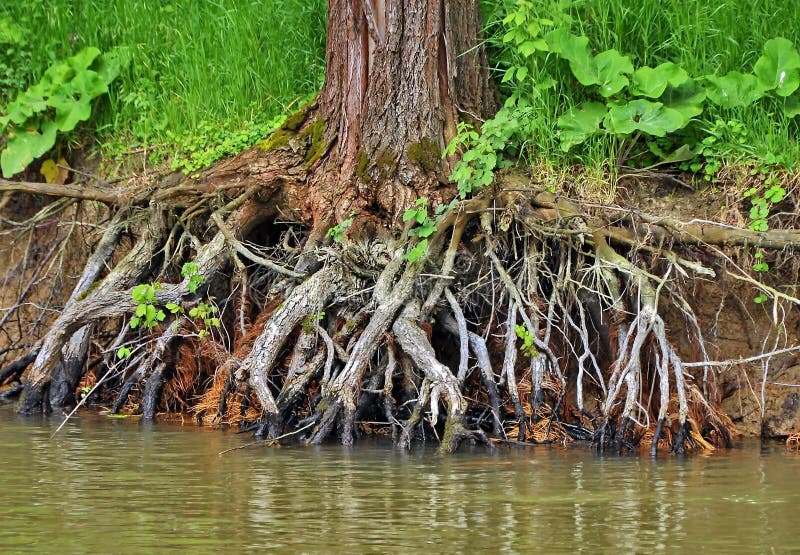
pixel 113 486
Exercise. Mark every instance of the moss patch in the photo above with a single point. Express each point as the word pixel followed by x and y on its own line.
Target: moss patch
pixel 362 166
pixel 288 129
pixel 278 139
pixel 83 294
pixel 315 131
pixel 425 154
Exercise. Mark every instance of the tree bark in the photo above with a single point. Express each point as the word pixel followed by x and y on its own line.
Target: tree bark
pixel 399 76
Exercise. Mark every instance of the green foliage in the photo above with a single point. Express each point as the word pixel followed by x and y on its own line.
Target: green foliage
pixel 210 142
pixel 426 226
pixel 15 57
pixel 733 90
pixel 205 313
pixel 147 315
pixel 192 273
pixel 580 123
pixel 57 103
pixel 761 200
pixel 608 99
pixel 197 69
pixel 526 336
pixel 760 266
pixel 339 231
pixel 777 68
pixel 417 251
pixel 651 118
pixel 652 82
pixel 482 151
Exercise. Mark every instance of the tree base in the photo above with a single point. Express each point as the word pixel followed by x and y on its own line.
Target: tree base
pixel 526 320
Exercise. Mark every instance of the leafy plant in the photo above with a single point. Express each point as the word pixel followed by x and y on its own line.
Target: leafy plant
pixel 56 104
pixel 625 102
pixel 210 143
pixel 761 200
pixel 338 232
pixel 148 315
pixel 526 336
pixel 760 265
pixel 426 226
pixel 192 273
pixel 777 69
pixel 482 151
pixel 15 58
pixel 206 313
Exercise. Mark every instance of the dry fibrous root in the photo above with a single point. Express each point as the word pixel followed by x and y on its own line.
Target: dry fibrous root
pixel 527 320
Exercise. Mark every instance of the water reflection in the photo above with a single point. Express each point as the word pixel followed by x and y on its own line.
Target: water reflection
pixel 112 487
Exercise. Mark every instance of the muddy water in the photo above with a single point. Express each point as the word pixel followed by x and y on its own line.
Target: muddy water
pixel 111 486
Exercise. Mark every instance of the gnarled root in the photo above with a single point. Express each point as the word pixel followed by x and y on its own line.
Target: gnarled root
pixel 556 317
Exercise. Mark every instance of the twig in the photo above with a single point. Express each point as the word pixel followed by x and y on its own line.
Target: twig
pixel 270 440
pixel 741 360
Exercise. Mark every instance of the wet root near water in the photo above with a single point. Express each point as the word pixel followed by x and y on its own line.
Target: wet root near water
pixel 529 319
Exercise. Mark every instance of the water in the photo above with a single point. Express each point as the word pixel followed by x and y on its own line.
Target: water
pixel 111 486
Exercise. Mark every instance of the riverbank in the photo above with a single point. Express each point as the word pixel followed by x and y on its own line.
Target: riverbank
pixel 726 315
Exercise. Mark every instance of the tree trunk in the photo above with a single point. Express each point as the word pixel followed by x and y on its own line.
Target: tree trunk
pixel 399 75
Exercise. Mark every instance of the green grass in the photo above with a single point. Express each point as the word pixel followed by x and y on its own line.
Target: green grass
pixel 701 36
pixel 203 69
pixel 195 63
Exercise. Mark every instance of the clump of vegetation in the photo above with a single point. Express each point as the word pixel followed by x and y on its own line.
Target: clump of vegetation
pixel 56 104
pixel 223 75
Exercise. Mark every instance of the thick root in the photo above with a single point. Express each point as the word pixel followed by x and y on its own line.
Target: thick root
pixel 559 321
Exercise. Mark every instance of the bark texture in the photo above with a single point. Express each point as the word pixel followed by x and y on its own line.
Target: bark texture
pixel 399 76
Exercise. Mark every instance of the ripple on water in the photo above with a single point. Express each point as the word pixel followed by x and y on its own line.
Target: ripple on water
pixel 106 485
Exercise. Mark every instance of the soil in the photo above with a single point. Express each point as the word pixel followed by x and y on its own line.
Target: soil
pixel 733 326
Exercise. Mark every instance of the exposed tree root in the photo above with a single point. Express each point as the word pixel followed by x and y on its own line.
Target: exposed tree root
pixel 527 319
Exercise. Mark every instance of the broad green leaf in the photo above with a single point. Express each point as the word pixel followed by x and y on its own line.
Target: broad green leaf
pixel 611 69
pixel 110 64
pixel 25 106
pixel 580 123
pixel 89 83
pixel 642 115
pixel 652 82
pixel 777 68
pixel 417 252
pixel 607 70
pixel 70 111
pixel 83 59
pixel 734 89
pixel 568 46
pixel 56 75
pixel 687 99
pixel 25 146
pixel 527 48
pixel 680 154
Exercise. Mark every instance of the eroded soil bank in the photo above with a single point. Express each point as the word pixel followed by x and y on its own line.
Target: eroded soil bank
pixel 46 243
